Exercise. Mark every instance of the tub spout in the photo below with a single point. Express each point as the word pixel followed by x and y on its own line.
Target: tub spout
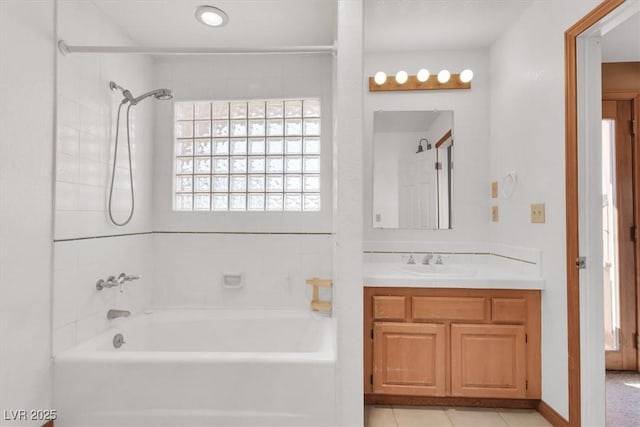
pixel 114 314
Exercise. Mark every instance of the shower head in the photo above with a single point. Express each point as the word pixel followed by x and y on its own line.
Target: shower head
pixel 161 94
pixel 164 94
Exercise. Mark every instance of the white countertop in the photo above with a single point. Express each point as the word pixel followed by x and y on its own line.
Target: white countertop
pixel 479 276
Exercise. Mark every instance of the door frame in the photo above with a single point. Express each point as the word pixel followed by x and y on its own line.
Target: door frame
pixel 580 53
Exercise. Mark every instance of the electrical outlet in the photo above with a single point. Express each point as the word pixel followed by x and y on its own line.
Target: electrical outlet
pixel 494 213
pixel 494 190
pixel 537 213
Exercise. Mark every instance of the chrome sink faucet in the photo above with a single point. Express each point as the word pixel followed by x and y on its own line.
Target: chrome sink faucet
pixel 114 314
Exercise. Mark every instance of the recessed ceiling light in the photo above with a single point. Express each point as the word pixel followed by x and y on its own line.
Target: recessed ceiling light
pixel 211 16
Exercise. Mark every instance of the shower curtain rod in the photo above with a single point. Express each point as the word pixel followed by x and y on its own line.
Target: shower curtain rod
pixel 67 49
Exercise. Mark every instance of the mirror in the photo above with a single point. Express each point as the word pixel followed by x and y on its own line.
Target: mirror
pixel 412 169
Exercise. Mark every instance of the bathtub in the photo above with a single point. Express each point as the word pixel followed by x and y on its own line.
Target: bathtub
pixel 202 368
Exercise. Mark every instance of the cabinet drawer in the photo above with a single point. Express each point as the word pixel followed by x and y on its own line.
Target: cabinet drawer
pixel 449 308
pixel 509 310
pixel 389 307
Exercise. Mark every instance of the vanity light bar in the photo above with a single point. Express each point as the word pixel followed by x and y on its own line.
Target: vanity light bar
pixel 456 81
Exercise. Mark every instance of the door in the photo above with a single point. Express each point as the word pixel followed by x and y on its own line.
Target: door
pixel 619 235
pixel 418 192
pixel 409 359
pixel 488 361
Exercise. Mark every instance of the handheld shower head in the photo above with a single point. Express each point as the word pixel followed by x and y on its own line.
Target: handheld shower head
pixel 164 94
pixel 161 94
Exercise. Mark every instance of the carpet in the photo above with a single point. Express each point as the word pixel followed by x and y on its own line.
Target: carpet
pixel 623 399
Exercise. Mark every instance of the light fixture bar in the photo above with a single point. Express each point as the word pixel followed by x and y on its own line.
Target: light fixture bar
pixel 413 83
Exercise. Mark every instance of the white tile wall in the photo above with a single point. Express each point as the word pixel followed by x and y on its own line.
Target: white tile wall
pixel 79 309
pixel 85 144
pixel 189 269
pixel 84 154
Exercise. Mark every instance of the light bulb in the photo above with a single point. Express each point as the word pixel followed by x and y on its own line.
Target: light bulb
pixel 380 78
pixel 401 77
pixel 423 75
pixel 444 76
pixel 466 76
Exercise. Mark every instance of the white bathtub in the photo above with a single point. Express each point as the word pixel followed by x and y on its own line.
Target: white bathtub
pixel 202 368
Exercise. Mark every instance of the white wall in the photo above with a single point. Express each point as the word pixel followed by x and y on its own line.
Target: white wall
pixel 347 214
pixel 86 125
pixel 471 133
pixel 275 251
pixel 527 135
pixel 26 149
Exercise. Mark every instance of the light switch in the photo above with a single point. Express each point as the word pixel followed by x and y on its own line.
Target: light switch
pixel 494 190
pixel 494 213
pixel 537 213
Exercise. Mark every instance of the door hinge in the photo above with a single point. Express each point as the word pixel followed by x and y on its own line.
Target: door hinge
pixel 581 262
pixel 438 166
pixel 371 379
pixel 526 384
pixel 634 233
pixel 526 338
pixel 372 334
pixel 634 127
pixel 637 341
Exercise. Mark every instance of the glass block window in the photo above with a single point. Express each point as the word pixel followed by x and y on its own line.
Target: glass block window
pixel 255 155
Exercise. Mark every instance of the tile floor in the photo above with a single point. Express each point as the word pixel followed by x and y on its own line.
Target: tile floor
pixel 397 416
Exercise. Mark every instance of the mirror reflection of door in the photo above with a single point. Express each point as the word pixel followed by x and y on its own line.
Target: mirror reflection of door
pixel 417 207
pixel 620 234
pixel 412 169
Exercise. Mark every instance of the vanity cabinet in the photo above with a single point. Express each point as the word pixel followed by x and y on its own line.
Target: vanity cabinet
pixel 459 343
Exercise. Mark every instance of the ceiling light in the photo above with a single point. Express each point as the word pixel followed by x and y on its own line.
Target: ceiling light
pixel 466 76
pixel 423 75
pixel 402 77
pixel 380 78
pixel 211 16
pixel 444 76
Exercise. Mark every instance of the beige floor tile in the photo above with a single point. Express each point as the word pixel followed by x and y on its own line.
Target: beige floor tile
pixel 463 417
pixel 523 418
pixel 379 416
pixel 421 417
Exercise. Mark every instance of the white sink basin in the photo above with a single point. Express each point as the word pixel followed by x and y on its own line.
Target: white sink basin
pixel 436 270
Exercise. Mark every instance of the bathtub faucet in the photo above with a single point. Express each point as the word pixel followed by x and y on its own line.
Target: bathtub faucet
pixel 114 314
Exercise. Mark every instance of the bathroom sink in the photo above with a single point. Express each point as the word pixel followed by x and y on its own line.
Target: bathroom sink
pixel 436 270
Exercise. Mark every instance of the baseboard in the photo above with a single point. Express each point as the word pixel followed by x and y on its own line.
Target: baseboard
pixel 470 402
pixel 551 415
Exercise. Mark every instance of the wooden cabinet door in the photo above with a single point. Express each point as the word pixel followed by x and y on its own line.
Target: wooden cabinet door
pixel 488 361
pixel 409 359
